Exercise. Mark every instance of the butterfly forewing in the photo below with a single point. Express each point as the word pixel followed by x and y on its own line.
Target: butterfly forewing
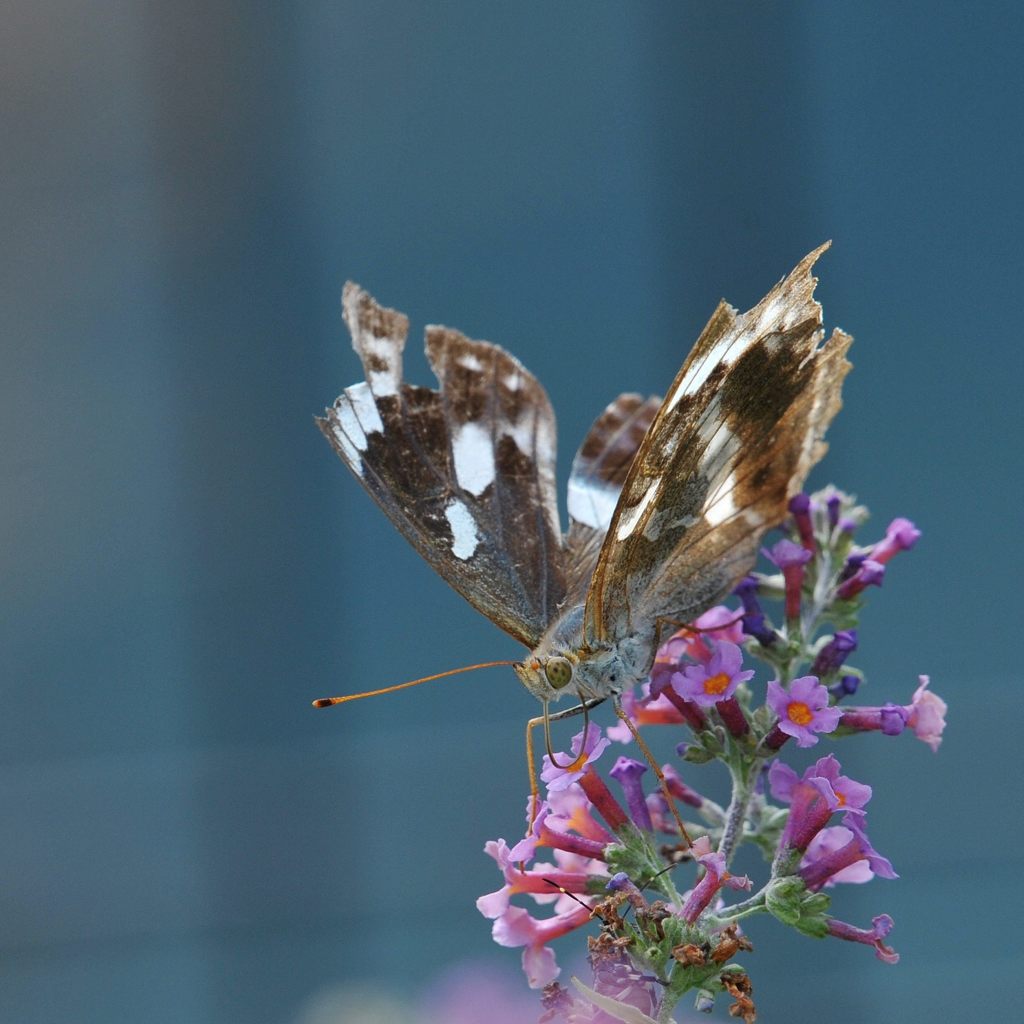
pixel 739 430
pixel 466 472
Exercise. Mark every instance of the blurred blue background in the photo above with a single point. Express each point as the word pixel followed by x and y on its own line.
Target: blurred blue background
pixel 185 563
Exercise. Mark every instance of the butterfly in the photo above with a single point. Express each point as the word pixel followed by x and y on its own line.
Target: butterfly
pixel 668 498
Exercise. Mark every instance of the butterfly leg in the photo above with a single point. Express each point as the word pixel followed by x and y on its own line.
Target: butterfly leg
pixel 531 763
pixel 669 799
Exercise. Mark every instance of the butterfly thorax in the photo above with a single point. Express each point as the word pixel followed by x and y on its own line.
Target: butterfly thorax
pixel 567 663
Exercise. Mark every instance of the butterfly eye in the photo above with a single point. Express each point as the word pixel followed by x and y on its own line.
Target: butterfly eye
pixel 558 672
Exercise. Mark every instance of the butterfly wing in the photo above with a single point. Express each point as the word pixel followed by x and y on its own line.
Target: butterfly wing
pixel 466 472
pixel 598 473
pixel 740 429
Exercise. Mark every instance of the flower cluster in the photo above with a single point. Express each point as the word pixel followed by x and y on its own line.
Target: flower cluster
pixel 620 836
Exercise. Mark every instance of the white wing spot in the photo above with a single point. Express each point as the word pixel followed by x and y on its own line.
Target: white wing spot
pixel 592 503
pixel 465 538
pixel 723 507
pixel 365 409
pixel 468 361
pixel 383 382
pixel 474 458
pixel 513 382
pixel 352 456
pixel 692 382
pixel 522 432
pixel 631 516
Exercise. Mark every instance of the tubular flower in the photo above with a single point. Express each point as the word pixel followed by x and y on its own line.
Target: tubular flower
pixel 754 621
pixel 800 507
pixel 791 559
pixel 715 877
pixel 868 573
pixel 829 863
pixel 925 715
pixel 881 926
pixel 900 535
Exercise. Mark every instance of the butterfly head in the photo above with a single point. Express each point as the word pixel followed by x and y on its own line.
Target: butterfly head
pixel 547 677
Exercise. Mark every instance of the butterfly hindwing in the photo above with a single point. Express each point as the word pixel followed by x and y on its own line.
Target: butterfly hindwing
pixel 465 472
pixel 739 430
pixel 598 473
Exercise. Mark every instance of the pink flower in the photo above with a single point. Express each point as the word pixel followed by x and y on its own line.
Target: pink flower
pixel 803 710
pixel 517 928
pixel 540 881
pixel 927 713
pixel 570 809
pixel 715 877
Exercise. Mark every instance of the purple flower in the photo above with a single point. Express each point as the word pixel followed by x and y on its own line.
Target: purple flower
pixel 803 710
pixel 833 503
pixel 927 714
pixel 901 535
pixel 786 554
pixel 790 558
pixel 800 506
pixel 846 686
pixel 827 842
pixel 715 876
pixel 891 719
pixel 714 680
pixel 881 926
pixel 868 574
pixel 754 623
pixel 850 795
pixel 628 772
pixel 835 652
pixel 621 882
pixel 584 752
pixel 858 848
pixel 811 805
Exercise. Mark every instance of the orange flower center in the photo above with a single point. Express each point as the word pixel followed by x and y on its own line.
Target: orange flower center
pixel 717 683
pixel 799 712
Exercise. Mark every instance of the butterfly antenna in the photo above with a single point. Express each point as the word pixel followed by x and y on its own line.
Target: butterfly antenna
pixel 326 702
pixel 565 892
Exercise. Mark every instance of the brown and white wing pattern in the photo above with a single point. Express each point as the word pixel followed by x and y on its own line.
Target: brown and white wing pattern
pixel 598 473
pixel 737 434
pixel 466 472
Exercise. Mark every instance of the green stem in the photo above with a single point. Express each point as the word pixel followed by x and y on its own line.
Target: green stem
pixel 742 791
